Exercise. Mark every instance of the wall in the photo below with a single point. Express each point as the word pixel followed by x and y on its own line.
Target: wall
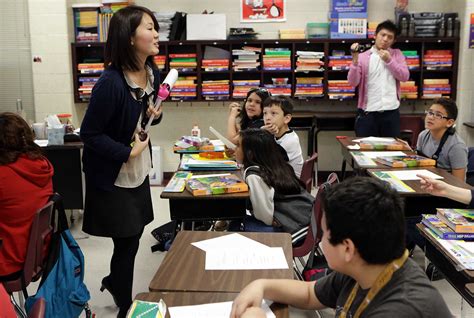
pixel 56 93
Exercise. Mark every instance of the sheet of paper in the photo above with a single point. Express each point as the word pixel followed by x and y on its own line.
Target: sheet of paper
pixel 41 142
pixel 234 240
pixel 411 174
pixel 375 154
pixel 215 310
pixel 374 139
pixel 226 141
pixel 245 259
pixel 353 147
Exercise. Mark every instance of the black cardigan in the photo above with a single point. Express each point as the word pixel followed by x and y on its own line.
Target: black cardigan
pixel 108 127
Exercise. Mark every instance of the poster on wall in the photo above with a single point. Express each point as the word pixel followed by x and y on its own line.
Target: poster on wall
pixel 262 11
pixel 471 33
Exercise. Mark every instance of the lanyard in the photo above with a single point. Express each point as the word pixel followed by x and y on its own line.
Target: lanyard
pixel 382 280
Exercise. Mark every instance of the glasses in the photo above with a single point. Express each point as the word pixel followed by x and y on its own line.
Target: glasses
pixel 435 115
pixel 259 89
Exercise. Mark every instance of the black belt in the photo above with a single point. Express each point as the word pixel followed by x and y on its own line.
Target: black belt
pixel 364 112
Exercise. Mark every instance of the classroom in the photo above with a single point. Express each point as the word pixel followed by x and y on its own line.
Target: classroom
pixel 237 158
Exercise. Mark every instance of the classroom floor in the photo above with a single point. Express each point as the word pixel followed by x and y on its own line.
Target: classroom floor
pixel 97 252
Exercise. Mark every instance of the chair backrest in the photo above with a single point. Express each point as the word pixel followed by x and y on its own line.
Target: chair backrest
pixel 38 310
pixel 412 124
pixel 41 230
pixel 314 234
pixel 307 172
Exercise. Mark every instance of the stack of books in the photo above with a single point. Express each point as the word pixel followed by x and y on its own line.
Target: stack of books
pixel 247 58
pixel 451 224
pixel 413 59
pixel 309 87
pixel 184 88
pixel 408 90
pixel 164 21
pixel 113 6
pixel 280 86
pixel 408 161
pixel 436 88
pixel 277 59
pixel 104 21
pixel 160 61
pixel 309 61
pixel 90 68
pixel 241 87
pixel 86 22
pixel 371 27
pixel 340 89
pixel 183 62
pixel 85 88
pixel 196 162
pixel 215 184
pixel 215 89
pixel 292 34
pixel 215 65
pixel 339 61
pixel 438 59
pixel 393 145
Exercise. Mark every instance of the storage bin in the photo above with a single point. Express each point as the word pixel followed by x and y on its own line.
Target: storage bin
pixel 317 30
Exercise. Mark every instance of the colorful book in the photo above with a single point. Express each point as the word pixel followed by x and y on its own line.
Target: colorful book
pixel 394 182
pixel 215 184
pixel 178 182
pixel 379 145
pixel 460 220
pixel 195 162
pixel 442 230
pixel 147 309
pixel 408 161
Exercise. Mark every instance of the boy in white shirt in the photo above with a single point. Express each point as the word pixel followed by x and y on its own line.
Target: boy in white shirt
pixel 277 112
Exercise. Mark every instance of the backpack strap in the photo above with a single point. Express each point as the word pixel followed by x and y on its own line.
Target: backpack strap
pixel 445 137
pixel 58 219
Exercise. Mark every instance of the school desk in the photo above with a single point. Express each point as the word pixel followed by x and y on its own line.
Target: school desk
pixel 182 269
pixel 173 299
pixel 448 265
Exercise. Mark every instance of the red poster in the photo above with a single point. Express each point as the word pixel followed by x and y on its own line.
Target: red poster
pixel 262 10
pixel 471 37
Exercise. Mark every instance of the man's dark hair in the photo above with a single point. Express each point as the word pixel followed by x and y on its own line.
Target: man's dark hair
pixel 449 105
pixel 370 213
pixel 283 102
pixel 389 26
pixel 119 52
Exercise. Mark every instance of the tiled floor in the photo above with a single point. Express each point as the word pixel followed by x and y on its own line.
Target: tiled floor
pixel 97 252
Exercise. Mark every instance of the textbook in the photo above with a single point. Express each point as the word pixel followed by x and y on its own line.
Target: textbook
pixel 406 161
pixel 196 162
pixel 460 220
pixel 215 184
pixel 178 182
pixel 383 145
pixel 147 309
pixel 442 230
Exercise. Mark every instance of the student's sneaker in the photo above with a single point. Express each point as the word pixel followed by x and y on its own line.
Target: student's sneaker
pixel 433 273
pixel 221 226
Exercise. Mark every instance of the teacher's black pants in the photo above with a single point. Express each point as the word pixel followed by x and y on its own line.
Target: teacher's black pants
pixel 378 124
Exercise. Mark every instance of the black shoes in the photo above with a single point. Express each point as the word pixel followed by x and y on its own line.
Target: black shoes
pixel 433 273
pixel 107 285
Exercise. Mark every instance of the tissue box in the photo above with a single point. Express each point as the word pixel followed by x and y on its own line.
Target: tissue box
pixel 156 173
pixel 206 27
pixel 56 135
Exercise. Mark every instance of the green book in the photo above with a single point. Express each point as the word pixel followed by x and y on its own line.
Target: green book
pixel 410 53
pixel 147 309
pixel 183 59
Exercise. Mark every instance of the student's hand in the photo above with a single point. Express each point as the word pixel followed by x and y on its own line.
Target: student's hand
pixel 404 142
pixel 234 109
pixel 384 55
pixel 139 146
pixel 151 111
pixel 254 312
pixel 271 128
pixel 354 52
pixel 433 186
pixel 250 296
pixel 229 152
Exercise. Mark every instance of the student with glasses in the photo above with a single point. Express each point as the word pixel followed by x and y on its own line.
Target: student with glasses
pixel 116 162
pixel 440 141
pixel 248 116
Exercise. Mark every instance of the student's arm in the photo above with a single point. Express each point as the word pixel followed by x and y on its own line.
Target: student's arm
pixel 457 156
pixel 459 173
pixel 355 71
pixel 261 196
pixel 398 66
pixel 292 292
pixel 442 189
pixel 232 125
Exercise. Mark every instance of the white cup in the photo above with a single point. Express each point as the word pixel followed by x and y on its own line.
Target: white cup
pixel 40 130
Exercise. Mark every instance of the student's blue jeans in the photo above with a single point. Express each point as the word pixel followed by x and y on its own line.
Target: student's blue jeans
pixel 251 224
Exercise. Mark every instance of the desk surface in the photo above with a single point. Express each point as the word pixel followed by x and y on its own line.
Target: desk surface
pixel 416 185
pixel 183 266
pixel 67 145
pixel 173 299
pixel 348 141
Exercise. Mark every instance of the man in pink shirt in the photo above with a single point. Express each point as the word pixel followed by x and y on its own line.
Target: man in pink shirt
pixel 378 73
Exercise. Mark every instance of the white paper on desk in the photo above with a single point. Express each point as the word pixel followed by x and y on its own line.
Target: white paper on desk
pixel 233 241
pixel 375 154
pixel 41 142
pixel 214 310
pixel 411 174
pixel 374 139
pixel 353 147
pixel 245 259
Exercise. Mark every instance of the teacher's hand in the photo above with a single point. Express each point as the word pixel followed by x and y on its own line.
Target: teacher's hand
pixel 151 111
pixel 139 146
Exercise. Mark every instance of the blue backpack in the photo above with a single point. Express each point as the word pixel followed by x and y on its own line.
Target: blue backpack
pixel 62 284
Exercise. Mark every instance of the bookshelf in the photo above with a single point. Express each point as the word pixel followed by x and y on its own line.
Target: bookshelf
pixel 94 52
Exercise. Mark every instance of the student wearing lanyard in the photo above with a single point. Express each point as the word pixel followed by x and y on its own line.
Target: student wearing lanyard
pixel 364 243
pixel 378 72
pixel 440 141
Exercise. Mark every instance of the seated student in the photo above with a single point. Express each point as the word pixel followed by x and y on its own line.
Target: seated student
pixel 25 187
pixel 440 141
pixel 364 243
pixel 277 112
pixel 278 202
pixel 250 116
pixel 442 189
